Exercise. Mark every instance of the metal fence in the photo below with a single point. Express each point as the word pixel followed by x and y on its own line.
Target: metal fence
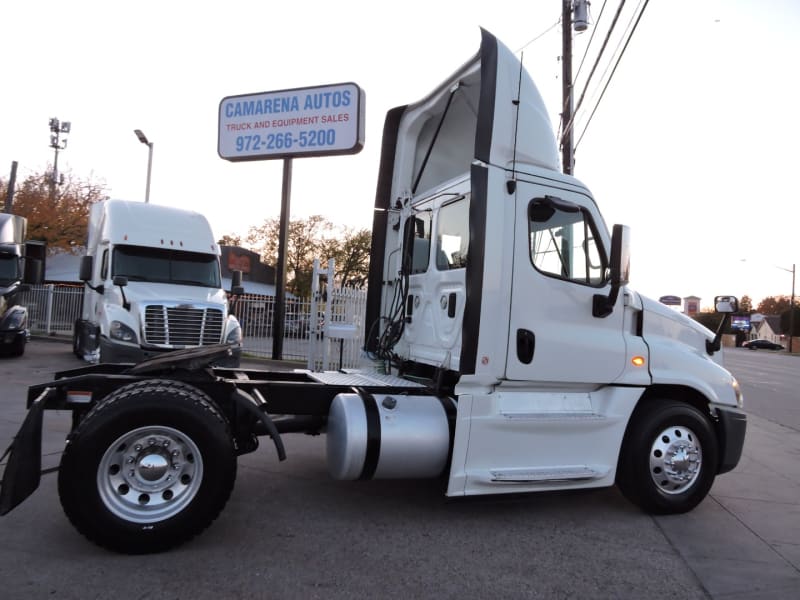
pixel 53 310
pixel 307 336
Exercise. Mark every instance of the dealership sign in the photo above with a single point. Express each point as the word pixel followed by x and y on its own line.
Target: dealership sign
pixel 312 121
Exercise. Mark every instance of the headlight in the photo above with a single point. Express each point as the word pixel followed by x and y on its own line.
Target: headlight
pixel 234 335
pixel 120 331
pixel 18 319
pixel 737 390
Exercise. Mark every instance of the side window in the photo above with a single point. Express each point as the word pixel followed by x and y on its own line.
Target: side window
pixel 452 235
pixel 418 233
pixel 564 243
pixel 104 265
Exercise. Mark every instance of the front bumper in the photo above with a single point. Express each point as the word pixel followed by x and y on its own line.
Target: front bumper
pixel 731 429
pixel 123 353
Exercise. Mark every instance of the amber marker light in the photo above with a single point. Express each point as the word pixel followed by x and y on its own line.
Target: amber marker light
pixel 638 361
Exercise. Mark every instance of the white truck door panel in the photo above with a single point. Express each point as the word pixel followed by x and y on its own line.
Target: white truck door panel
pixel 559 266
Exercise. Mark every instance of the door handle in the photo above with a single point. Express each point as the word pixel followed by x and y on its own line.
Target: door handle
pixel 526 345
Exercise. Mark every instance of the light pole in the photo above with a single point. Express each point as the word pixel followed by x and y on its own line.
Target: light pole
pixel 143 138
pixel 56 143
pixel 791 307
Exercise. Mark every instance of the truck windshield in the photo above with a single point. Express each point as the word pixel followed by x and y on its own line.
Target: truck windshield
pixel 138 263
pixel 8 267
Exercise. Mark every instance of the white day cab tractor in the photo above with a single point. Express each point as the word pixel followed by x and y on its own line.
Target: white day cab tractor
pixel 510 354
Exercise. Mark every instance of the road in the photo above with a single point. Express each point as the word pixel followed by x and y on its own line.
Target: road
pixel 770 383
pixel 289 531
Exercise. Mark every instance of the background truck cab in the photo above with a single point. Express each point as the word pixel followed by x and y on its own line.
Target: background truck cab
pixel 152 284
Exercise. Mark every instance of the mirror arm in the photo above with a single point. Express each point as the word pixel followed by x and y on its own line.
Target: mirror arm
pixel 714 345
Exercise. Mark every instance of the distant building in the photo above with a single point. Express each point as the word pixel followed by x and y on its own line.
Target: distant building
pixel 691 305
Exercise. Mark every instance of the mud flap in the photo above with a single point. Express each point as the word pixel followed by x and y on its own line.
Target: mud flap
pixel 23 470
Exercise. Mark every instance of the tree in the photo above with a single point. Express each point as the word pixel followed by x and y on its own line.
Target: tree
pixel 61 218
pixel 351 253
pixel 230 240
pixel 773 305
pixel 310 238
pixel 746 304
pixel 786 318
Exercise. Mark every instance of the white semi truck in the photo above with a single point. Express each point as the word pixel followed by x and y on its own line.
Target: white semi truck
pixel 152 284
pixel 513 355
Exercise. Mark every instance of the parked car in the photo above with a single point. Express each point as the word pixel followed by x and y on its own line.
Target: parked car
pixel 762 345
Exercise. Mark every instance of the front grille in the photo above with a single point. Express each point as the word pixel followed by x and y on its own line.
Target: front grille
pixel 182 325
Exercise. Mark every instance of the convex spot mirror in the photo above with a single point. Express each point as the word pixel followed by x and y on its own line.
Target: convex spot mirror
pixel 726 304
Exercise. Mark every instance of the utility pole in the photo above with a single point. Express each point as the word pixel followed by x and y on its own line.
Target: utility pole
pixel 12 182
pixel 580 22
pixel 566 87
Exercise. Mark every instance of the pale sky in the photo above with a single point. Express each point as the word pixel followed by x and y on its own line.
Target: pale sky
pixel 691 146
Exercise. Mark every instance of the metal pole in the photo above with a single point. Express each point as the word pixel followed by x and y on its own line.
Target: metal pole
pixel 566 87
pixel 280 268
pixel 12 182
pixel 791 313
pixel 149 170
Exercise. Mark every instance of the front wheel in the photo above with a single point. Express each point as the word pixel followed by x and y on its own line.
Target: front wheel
pixel 669 458
pixel 148 468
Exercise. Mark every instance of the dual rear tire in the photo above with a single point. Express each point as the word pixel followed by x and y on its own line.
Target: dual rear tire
pixel 148 468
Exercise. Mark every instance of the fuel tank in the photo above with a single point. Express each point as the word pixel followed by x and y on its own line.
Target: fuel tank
pixel 391 436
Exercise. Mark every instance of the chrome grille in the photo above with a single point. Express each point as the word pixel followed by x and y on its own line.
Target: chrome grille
pixel 182 325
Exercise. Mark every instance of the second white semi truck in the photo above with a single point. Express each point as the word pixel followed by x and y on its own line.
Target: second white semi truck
pixel 514 357
pixel 152 284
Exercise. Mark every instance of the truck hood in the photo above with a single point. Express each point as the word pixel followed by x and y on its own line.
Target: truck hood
pixel 663 326
pixel 138 292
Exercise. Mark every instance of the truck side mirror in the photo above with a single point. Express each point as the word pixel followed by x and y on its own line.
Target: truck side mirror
pixel 619 271
pixel 85 272
pixel 725 305
pixel 236 283
pixel 122 281
pixel 33 271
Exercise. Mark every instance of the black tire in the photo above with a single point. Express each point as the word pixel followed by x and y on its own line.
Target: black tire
pixel 148 468
pixel 669 457
pixel 76 343
pixel 18 346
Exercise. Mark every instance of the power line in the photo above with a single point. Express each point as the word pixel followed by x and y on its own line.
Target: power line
pixel 591 38
pixel 594 66
pixel 545 32
pixel 610 77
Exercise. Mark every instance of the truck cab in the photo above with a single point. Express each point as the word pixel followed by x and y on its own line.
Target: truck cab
pixel 15 275
pixel 495 275
pixel 152 284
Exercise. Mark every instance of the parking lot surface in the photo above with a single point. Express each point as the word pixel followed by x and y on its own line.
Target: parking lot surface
pixel 289 531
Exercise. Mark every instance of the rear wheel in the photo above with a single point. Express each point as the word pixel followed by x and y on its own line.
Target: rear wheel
pixel 669 458
pixel 18 346
pixel 148 468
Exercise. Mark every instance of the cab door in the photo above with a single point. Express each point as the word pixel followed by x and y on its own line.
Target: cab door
pixel 560 265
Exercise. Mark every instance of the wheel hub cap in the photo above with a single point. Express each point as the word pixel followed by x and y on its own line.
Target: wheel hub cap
pixel 150 474
pixel 675 459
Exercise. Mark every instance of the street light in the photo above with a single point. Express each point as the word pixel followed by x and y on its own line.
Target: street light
pixel 791 302
pixel 791 307
pixel 143 138
pixel 57 143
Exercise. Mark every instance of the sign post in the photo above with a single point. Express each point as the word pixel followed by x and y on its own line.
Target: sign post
pixel 312 121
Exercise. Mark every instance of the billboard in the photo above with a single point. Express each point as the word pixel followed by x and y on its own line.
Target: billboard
pixel 740 322
pixel 312 121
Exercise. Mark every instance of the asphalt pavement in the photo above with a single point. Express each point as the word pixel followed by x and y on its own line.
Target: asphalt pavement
pixel 289 531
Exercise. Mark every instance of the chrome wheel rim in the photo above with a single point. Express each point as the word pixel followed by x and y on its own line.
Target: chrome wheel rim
pixel 676 458
pixel 150 474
